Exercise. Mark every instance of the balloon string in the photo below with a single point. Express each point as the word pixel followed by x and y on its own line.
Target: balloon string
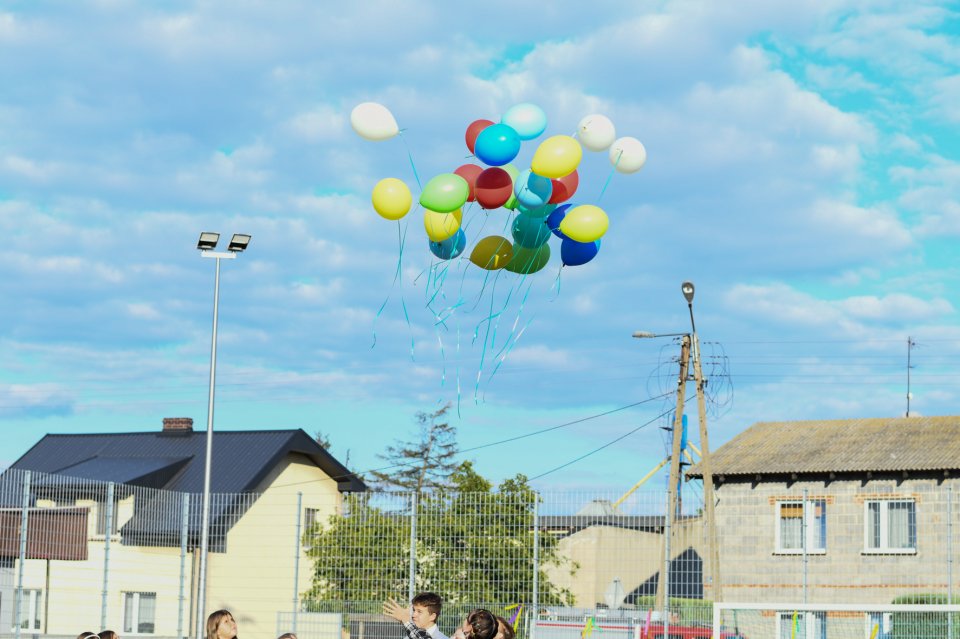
pixel 413 166
pixel 396 276
pixel 458 371
pixel 610 177
pixel 556 283
pixel 508 344
pixel 483 350
pixel 403 303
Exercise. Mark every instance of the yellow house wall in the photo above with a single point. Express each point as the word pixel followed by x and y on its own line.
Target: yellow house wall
pixel 254 578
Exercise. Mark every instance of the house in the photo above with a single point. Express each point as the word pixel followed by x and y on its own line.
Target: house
pixel 838 511
pixel 140 495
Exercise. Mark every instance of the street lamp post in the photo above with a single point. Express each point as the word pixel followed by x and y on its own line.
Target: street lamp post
pixel 207 245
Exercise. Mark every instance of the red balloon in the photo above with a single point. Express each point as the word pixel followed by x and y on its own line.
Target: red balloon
pixel 564 188
pixel 494 187
pixel 470 172
pixel 474 130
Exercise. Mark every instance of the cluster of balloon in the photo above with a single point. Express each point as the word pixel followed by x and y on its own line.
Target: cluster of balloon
pixel 539 195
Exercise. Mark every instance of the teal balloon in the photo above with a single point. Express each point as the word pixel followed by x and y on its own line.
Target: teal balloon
pixel 540 211
pixel 445 193
pixel 450 247
pixel 530 232
pixel 532 190
pixel 527 119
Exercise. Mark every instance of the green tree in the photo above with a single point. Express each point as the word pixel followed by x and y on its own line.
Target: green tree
pixel 474 546
pixel 422 465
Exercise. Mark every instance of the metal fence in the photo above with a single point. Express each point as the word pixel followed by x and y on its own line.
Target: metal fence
pixel 78 555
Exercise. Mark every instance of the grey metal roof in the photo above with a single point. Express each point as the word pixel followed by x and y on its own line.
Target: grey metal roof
pixel 882 444
pixel 240 459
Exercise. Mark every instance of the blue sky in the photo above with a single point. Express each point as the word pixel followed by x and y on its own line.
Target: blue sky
pixel 802 171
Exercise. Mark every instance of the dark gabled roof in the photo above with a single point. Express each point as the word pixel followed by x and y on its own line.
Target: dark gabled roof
pixel 241 460
pixel 889 444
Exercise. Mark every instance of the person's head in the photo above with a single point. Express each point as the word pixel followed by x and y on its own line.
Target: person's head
pixel 108 634
pixel 480 624
pixel 221 625
pixel 87 634
pixel 504 629
pixel 287 635
pixel 426 609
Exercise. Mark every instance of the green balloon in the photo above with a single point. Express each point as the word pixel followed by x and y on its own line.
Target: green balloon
pixel 514 174
pixel 528 260
pixel 445 193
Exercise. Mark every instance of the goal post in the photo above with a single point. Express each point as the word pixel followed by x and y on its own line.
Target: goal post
pixel 835 621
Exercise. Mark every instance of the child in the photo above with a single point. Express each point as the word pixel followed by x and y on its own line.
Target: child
pixel 422 624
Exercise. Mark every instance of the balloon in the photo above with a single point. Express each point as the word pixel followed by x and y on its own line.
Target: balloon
pixel 596 132
pixel 532 190
pixel 450 247
pixel 493 187
pixel 540 211
pixel 628 155
pixel 492 252
pixel 391 198
pixel 555 218
pixel 469 172
pixel 565 187
pixel 444 193
pixel 574 253
pixel 530 232
pixel 441 226
pixel 373 121
pixel 474 130
pixel 496 145
pixel 514 174
pixel 528 260
pixel 557 156
pixel 527 119
pixel 585 223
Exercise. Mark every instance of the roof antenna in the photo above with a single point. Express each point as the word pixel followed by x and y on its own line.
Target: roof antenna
pixel 910 345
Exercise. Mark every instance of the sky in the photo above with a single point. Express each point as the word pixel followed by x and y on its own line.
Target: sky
pixel 803 170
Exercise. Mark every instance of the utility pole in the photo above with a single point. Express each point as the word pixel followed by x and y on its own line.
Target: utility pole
pixel 910 345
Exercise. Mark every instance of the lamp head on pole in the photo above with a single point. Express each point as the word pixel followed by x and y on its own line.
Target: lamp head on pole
pixel 238 243
pixel 687 289
pixel 208 241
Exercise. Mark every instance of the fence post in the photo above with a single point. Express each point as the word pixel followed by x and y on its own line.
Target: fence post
pixel 665 572
pixel 24 510
pixel 184 528
pixel 107 533
pixel 413 546
pixel 535 604
pixel 296 564
pixel 803 542
pixel 950 559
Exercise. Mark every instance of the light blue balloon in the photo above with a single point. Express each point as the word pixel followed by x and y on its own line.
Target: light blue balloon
pixel 450 247
pixel 530 232
pixel 497 145
pixel 540 211
pixel 527 119
pixel 532 190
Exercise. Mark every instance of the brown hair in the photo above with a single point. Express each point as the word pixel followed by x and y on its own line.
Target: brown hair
pixel 214 620
pixel 87 634
pixel 108 634
pixel 429 600
pixel 483 624
pixel 287 635
pixel 505 628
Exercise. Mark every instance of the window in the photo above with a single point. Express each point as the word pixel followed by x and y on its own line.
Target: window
pixel 801 625
pixel 882 622
pixel 31 609
pixel 795 517
pixel 139 612
pixel 102 517
pixel 891 526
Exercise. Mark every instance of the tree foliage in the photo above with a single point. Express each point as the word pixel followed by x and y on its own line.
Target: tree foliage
pixel 473 545
pixel 422 465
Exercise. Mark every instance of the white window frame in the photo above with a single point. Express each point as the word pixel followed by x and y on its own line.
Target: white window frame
pixel 30 612
pixel 885 622
pixel 132 626
pixel 812 622
pixel 883 507
pixel 809 524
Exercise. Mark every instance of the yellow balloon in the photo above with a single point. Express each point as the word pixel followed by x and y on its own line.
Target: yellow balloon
pixel 492 253
pixel 442 226
pixel 585 223
pixel 391 198
pixel 556 157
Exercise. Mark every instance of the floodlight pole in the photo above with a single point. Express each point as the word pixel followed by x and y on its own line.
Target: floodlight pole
pixel 206 250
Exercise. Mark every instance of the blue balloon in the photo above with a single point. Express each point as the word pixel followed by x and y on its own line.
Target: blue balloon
pixel 497 145
pixel 556 216
pixel 530 232
pixel 576 253
pixel 527 119
pixel 532 190
pixel 450 247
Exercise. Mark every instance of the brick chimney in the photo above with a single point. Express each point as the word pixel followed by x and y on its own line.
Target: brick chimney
pixel 178 424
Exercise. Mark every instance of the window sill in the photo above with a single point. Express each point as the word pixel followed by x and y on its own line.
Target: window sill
pixel 889 551
pixel 792 552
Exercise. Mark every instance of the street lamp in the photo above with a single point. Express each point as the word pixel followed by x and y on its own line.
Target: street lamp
pixel 207 245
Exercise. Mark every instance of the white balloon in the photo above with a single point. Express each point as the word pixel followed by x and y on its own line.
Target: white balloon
pixel 628 155
pixel 373 121
pixel 596 132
